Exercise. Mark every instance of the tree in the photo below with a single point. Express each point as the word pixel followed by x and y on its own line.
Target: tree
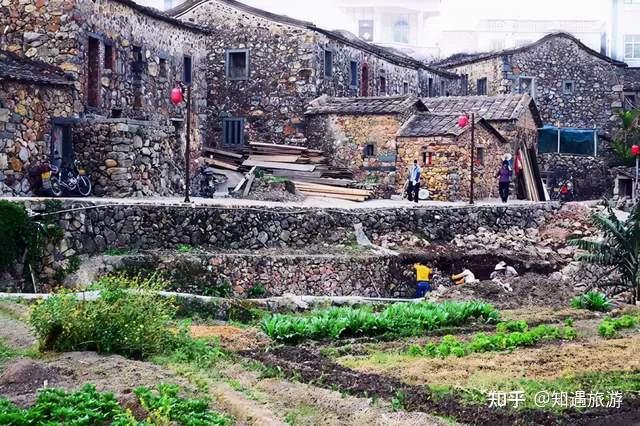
pixel 628 135
pixel 619 248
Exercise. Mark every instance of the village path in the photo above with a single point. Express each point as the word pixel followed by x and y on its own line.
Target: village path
pixel 309 202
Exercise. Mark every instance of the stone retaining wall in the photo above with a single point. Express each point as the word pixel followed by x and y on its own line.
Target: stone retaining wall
pixel 93 227
pixel 236 274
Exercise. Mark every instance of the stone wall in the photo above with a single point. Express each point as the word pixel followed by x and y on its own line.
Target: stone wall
pixel 597 86
pixel 26 113
pixel 591 174
pixel 130 158
pixel 99 226
pixel 448 176
pixel 58 32
pixel 369 275
pixel 344 139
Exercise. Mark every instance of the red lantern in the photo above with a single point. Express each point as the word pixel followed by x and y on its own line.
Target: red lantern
pixel 463 121
pixel 635 150
pixel 176 95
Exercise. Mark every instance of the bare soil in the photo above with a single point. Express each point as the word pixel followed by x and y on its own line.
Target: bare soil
pixel 232 338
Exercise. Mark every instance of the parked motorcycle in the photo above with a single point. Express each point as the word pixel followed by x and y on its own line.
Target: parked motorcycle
pixel 563 190
pixel 206 181
pixel 66 180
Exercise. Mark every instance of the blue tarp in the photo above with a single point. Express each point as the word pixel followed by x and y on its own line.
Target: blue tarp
pixel 572 141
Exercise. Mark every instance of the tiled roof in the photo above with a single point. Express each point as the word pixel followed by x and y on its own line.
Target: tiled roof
pixel 428 124
pixel 491 108
pixel 161 16
pixel 460 59
pixel 14 67
pixel 372 105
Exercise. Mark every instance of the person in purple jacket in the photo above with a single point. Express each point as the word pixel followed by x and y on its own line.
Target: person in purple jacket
pixel 504 175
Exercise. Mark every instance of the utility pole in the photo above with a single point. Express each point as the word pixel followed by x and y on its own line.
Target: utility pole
pixel 473 156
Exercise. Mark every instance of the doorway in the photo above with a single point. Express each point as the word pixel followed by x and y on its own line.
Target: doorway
pixel 93 73
pixel 364 90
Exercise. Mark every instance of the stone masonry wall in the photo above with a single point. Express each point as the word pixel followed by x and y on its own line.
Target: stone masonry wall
pixel 130 158
pixel 58 32
pixel 26 111
pixel 151 226
pixel 344 138
pixel 590 174
pixel 448 177
pixel 368 275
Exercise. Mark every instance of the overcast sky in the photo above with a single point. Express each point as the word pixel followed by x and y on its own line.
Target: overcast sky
pixel 456 14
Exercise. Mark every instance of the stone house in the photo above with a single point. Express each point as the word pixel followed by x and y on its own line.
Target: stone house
pixel 359 134
pixel 574 87
pixel 265 69
pixel 444 150
pixel 36 101
pixel 124 59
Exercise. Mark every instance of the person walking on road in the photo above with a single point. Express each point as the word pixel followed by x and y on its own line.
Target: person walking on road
pixel 413 188
pixel 504 180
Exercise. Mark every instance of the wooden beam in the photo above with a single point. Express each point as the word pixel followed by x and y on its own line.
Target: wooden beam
pixel 278 147
pixel 337 196
pixel 280 166
pixel 223 153
pixel 328 188
pixel 219 163
pixel 275 158
pixel 244 179
pixel 247 188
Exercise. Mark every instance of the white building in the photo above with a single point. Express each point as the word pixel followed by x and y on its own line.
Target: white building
pixel 410 28
pixel 624 30
pixel 498 34
pixel 160 4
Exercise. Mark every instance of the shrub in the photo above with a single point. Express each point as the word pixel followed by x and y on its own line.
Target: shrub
pixel 500 341
pixel 403 319
pixel 592 301
pixel 257 291
pixel 609 327
pixel 16 232
pixel 129 319
pixel 520 325
pixel 198 352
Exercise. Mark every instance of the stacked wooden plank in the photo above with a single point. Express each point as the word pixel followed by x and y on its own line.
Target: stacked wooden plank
pixel 222 159
pixel 308 168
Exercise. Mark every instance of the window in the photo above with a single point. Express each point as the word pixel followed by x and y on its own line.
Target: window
pixel 527 85
pixel 61 143
pixel 365 29
pixel 481 86
pixel 629 101
pixel 237 64
pixel 430 88
pixel 233 132
pixel 632 46
pixel 186 71
pixel 137 54
pixel 382 86
pixel 568 87
pixel 401 32
pixel 108 57
pixel 354 74
pixel 369 150
pixel 464 82
pixel 328 63
pixel 479 159
pixel 427 158
pixel 164 71
pixel 365 80
pixel 443 88
pixel 405 88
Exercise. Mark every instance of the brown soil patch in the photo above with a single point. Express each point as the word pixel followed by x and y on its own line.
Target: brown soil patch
pixel 481 370
pixel 541 315
pixel 15 333
pixel 231 338
pixel 22 378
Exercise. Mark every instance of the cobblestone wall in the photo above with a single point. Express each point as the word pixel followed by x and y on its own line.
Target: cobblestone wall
pixel 130 158
pixel 591 177
pixel 448 176
pixel 26 113
pixel 363 274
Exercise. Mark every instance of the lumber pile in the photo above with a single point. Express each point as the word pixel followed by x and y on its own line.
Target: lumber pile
pixel 309 169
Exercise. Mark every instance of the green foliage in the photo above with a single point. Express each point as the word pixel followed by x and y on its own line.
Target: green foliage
pixel 221 289
pixel 592 301
pixel 116 251
pixel 130 318
pixel 16 232
pixel 72 267
pixel 519 325
pixel 500 341
pixel 197 352
pixel 88 407
pixel 609 327
pixel 257 291
pixel 186 248
pixel 402 319
pixel 398 401
pixel 628 135
pixel 166 406
pixel 619 248
pixel 6 352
